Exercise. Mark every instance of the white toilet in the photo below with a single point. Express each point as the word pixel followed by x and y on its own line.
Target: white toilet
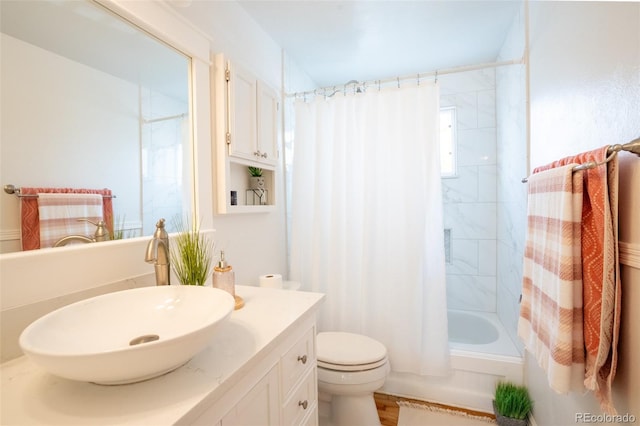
pixel 350 368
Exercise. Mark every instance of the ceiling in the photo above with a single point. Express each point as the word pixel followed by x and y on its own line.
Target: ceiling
pixel 338 41
pixel 86 33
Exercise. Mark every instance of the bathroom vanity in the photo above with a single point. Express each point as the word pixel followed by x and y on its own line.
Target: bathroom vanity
pixel 260 368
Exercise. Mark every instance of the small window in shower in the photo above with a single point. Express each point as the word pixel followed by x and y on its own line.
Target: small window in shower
pixel 448 142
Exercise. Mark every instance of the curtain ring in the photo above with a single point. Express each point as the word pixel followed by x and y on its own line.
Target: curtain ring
pixel 436 79
pixel 398 79
pixel 378 85
pixel 418 79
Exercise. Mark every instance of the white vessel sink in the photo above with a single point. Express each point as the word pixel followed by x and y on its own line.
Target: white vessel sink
pixel 127 336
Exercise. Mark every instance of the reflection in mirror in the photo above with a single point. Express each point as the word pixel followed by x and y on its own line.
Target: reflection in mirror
pixel 89 101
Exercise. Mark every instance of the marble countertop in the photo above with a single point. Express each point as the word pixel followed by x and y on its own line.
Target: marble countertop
pixel 30 395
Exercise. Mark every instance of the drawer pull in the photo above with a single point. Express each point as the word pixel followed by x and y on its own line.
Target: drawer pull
pixel 304 404
pixel 302 359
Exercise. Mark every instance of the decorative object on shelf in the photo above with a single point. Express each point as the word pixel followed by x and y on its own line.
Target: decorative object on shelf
pixel 256 180
pixel 257 197
pixel 234 198
pixel 224 278
pixel 191 254
pixel 512 404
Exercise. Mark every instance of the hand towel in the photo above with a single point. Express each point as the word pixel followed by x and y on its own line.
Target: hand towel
pixel 30 219
pixel 59 214
pixel 601 273
pixel 550 322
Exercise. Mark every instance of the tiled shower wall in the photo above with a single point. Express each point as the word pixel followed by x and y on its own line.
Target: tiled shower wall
pixel 513 165
pixel 470 198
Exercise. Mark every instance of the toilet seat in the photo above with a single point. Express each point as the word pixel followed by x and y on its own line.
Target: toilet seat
pixel 340 351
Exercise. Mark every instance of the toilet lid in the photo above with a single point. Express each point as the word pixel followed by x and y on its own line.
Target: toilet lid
pixel 348 349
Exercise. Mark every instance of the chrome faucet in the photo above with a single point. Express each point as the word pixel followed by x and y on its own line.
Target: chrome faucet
pixel 101 234
pixel 158 254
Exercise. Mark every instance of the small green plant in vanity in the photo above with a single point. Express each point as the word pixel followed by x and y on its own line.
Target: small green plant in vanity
pixel 512 404
pixel 191 254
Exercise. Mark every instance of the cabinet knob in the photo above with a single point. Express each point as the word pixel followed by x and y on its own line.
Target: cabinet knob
pixel 263 155
pixel 304 404
pixel 302 359
pixel 257 153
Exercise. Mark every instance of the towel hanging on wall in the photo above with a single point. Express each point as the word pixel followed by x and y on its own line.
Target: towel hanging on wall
pixel 59 214
pixel 550 322
pixel 600 270
pixel 30 217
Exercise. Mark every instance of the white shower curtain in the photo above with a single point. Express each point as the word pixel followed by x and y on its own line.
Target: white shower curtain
pixel 366 220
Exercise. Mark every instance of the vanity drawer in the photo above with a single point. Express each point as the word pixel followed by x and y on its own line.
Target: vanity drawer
pixel 303 401
pixel 297 360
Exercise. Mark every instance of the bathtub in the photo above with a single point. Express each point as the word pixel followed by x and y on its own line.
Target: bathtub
pixel 481 354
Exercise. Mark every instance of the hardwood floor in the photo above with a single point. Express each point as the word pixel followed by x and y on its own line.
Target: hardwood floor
pixel 388 408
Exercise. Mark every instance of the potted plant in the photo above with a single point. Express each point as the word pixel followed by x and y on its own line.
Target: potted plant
pixel 256 179
pixel 191 254
pixel 512 404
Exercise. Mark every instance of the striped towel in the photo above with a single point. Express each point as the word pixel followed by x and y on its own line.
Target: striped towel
pixel 59 214
pixel 30 218
pixel 600 270
pixel 551 322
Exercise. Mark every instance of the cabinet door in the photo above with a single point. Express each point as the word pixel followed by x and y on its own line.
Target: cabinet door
pixel 258 407
pixel 267 124
pixel 242 112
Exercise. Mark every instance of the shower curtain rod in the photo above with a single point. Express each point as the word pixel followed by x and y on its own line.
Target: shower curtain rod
pixel 415 77
pixel 612 151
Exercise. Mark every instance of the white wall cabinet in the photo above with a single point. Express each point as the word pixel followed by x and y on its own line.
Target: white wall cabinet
pixel 241 112
pixel 267 106
pixel 246 134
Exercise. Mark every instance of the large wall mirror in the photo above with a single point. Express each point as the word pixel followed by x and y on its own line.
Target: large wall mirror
pixel 90 101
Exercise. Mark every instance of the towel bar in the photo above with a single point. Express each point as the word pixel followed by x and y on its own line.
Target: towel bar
pixel 612 151
pixel 12 190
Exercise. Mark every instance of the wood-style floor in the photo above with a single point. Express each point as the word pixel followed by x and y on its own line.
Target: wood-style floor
pixel 388 408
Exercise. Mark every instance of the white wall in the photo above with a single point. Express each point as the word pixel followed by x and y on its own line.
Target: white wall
pixel 585 93
pixel 255 243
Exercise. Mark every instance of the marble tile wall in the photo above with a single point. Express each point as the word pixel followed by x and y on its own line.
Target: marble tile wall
pixel 513 165
pixel 470 198
pixel 512 197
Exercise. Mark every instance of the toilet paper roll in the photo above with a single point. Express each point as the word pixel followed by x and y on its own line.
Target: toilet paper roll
pixel 271 281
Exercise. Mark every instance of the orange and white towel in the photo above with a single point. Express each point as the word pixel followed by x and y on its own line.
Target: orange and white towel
pixel 30 218
pixel 600 269
pixel 550 322
pixel 59 214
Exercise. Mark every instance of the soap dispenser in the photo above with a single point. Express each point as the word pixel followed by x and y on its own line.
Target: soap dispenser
pixel 224 279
